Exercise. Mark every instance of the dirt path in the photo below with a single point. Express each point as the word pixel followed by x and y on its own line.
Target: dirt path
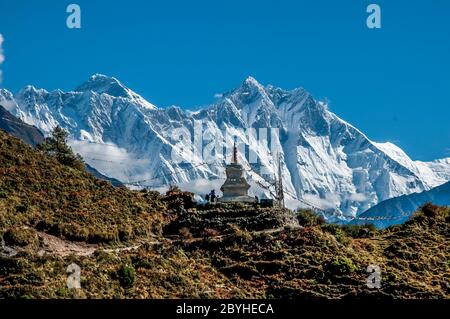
pixel 56 246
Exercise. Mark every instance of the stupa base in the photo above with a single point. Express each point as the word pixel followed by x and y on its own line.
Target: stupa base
pixel 233 199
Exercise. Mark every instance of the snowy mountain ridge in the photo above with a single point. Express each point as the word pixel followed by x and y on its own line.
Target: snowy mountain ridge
pixel 325 160
pixel 403 206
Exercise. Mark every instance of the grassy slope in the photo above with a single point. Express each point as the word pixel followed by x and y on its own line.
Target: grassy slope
pixel 323 261
pixel 315 261
pixel 37 191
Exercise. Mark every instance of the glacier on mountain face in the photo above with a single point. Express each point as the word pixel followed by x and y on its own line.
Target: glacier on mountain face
pixel 435 172
pixel 325 160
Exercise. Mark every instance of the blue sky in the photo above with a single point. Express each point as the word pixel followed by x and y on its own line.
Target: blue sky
pixel 392 83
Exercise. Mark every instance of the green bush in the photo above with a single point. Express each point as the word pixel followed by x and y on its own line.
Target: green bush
pixel 338 232
pixel 308 218
pixel 360 231
pixel 23 207
pixel 341 266
pixel 3 194
pixel 127 276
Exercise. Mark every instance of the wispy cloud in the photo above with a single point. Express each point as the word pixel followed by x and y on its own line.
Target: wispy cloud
pixel 112 161
pixel 331 201
pixel 357 197
pixel 2 56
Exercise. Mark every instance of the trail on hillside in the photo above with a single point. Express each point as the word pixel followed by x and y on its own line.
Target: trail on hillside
pixel 61 247
pixel 56 246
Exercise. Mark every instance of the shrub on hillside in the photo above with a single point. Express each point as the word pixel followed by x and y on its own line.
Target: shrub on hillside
pixel 127 276
pixel 340 266
pixel 308 218
pixel 430 213
pixel 186 233
pixel 337 231
pixel 23 207
pixel 210 232
pixel 3 194
pixel 19 237
pixel 430 210
pixel 360 231
pixel 239 234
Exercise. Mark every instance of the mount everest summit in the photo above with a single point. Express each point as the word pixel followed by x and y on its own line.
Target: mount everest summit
pixel 324 159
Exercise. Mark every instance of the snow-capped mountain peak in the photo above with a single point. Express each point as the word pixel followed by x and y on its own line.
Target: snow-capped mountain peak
pixel 325 160
pixel 31 90
pixel 250 81
pixel 102 84
pixel 249 89
pixel 7 100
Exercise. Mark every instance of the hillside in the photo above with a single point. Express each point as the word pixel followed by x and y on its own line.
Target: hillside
pixel 327 261
pixel 32 136
pixel 132 244
pixel 37 191
pixel 52 215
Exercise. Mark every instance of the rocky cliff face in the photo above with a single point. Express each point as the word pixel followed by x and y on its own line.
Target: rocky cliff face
pixel 28 133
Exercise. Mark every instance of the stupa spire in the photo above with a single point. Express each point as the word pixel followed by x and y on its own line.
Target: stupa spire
pixel 235 188
pixel 234 156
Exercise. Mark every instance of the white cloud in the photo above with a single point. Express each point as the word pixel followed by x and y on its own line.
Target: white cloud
pixel 112 161
pixel 2 56
pixel 10 105
pixel 218 95
pixel 293 203
pixel 331 201
pixel 357 197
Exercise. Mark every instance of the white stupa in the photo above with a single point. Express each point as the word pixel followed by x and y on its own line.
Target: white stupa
pixel 235 188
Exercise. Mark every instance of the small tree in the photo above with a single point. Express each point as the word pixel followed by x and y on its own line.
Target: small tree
pixel 56 146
